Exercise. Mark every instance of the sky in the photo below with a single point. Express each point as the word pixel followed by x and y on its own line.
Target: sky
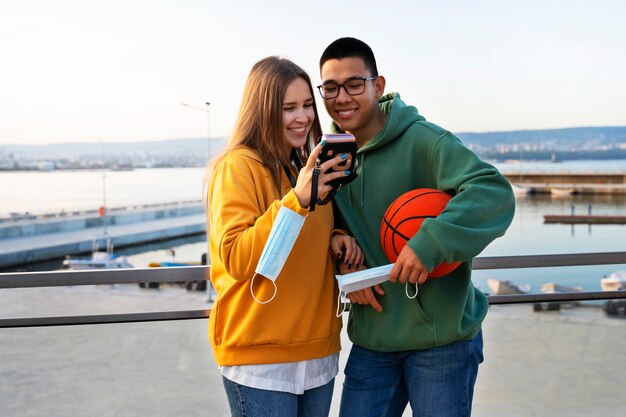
pixel 118 71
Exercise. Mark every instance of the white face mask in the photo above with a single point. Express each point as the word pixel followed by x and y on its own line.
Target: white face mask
pixel 280 241
pixel 366 278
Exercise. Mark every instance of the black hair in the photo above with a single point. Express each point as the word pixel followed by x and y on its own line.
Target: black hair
pixel 350 48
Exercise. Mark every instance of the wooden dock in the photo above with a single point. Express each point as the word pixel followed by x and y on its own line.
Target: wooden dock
pixel 567 177
pixel 557 189
pixel 582 219
pixel 562 184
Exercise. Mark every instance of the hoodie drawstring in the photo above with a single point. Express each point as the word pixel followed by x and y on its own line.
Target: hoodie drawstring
pixel 363 181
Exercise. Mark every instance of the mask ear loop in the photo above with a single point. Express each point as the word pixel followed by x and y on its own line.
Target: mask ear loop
pixel 343 309
pixel 406 290
pixel 252 292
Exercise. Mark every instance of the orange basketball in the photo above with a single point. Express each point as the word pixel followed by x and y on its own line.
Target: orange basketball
pixel 403 219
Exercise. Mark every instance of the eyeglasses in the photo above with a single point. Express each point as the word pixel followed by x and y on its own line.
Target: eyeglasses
pixel 353 86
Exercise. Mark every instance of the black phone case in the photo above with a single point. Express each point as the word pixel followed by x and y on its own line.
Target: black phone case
pixel 332 149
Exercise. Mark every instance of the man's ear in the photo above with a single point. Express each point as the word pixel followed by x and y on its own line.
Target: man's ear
pixel 379 84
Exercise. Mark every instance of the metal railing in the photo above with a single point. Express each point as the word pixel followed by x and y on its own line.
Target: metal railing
pixel 200 273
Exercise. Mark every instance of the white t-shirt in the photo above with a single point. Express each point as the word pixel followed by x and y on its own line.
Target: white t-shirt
pixel 293 377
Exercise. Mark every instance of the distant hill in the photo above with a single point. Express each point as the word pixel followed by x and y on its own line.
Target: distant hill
pixel 575 138
pixel 570 143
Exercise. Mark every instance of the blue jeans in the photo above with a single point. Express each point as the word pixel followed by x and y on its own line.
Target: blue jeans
pixel 253 402
pixel 437 382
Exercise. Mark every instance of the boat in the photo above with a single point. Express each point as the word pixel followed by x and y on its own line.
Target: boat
pixel 551 288
pixel 614 282
pixel 520 190
pixel 504 287
pixel 189 285
pixel 105 259
pixel 562 191
pixel 100 259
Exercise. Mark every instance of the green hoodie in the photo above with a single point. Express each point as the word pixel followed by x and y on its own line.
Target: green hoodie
pixel 412 153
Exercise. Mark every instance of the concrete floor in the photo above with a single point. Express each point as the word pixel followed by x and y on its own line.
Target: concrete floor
pixel 567 363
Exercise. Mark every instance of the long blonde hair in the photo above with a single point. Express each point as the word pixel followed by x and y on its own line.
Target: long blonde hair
pixel 259 125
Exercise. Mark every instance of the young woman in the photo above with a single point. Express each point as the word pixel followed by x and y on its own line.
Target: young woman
pixel 273 327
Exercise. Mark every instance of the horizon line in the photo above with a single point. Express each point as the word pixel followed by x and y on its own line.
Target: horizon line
pixel 223 137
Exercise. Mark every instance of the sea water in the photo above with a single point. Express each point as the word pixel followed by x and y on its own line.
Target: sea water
pixel 39 192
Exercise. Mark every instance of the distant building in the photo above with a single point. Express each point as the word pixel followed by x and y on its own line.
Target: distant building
pixel 45 166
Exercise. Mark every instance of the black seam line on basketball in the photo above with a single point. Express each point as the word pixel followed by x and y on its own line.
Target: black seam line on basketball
pixel 413 198
pixel 388 224
pixel 407 202
pixel 402 235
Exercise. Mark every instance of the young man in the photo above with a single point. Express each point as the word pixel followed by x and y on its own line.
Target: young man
pixel 426 350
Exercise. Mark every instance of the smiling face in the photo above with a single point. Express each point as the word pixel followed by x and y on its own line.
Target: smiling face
pixel 298 114
pixel 358 114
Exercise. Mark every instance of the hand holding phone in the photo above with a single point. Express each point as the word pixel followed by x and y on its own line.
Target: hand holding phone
pixel 337 144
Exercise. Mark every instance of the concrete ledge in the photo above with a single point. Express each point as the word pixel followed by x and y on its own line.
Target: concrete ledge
pixel 64 222
pixel 48 246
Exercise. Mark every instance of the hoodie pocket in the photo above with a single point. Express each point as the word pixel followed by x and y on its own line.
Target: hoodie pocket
pixel 427 333
pixel 403 325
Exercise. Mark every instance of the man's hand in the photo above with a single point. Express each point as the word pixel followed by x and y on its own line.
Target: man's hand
pixel 408 267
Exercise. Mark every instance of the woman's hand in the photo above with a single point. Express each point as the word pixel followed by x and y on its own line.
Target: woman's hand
pixel 304 181
pixel 346 247
pixel 366 295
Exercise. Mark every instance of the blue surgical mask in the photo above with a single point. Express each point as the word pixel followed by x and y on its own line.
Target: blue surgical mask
pixel 280 241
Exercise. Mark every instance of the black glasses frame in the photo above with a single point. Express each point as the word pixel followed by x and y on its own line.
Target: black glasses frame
pixel 339 86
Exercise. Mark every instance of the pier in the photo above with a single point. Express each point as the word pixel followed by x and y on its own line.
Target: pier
pixel 562 183
pixel 581 219
pixel 34 238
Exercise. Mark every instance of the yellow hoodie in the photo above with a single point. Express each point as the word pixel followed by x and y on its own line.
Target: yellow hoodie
pixel 300 322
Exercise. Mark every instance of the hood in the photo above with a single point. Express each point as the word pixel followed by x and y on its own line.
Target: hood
pixel 400 118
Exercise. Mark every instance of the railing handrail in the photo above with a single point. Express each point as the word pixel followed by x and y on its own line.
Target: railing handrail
pixel 550 260
pixel 200 273
pixel 103 276
pixel 48 321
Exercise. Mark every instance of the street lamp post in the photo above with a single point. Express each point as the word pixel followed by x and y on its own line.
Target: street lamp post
pixel 208 131
pixel 207 111
pixel 103 211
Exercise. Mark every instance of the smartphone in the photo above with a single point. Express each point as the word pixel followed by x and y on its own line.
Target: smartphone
pixel 337 144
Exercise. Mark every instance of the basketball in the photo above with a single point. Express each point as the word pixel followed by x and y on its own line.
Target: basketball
pixel 403 219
